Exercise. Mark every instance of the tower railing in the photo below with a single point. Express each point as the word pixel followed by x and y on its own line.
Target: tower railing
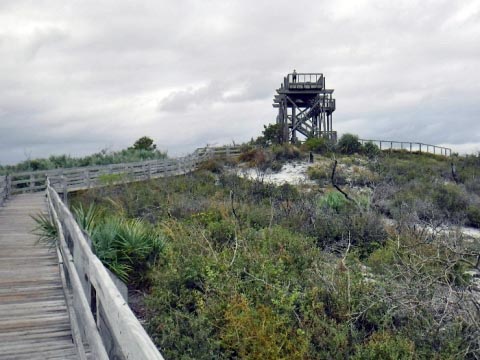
pixel 304 81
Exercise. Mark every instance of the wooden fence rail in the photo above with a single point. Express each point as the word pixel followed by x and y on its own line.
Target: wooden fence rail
pixel 100 314
pixel 72 179
pixel 409 146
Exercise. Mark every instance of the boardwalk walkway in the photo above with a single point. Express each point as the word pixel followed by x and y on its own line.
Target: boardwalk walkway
pixel 34 322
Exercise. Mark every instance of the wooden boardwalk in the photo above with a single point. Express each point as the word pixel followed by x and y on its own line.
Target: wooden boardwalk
pixel 34 320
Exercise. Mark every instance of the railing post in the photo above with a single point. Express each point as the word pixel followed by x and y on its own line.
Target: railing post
pixel 32 183
pixel 65 189
pixel 87 178
pixel 9 185
pixel 410 147
pixel 3 191
pixel 420 145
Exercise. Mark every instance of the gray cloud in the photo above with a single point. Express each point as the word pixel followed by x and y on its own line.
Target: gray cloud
pixel 79 76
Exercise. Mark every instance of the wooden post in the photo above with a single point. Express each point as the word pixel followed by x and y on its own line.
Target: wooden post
pixel 420 147
pixel 87 178
pixel 410 147
pixel 8 178
pixel 32 183
pixel 65 189
pixel 3 191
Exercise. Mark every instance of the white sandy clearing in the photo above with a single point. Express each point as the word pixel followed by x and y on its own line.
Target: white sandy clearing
pixel 294 173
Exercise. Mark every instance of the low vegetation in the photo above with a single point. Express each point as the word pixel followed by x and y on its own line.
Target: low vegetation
pixel 142 149
pixel 234 268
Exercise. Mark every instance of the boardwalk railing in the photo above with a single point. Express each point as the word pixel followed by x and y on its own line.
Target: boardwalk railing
pixel 99 314
pixel 5 188
pixel 72 179
pixel 410 146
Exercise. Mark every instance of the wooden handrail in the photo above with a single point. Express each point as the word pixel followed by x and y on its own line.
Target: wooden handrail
pixel 90 176
pixel 410 146
pixel 104 318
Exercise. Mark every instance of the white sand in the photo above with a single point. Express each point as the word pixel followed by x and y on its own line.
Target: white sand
pixel 293 173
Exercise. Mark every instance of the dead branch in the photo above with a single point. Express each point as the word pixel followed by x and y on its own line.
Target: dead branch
pixel 334 182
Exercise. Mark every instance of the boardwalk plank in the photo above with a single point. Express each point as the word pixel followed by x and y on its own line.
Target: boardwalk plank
pixel 34 322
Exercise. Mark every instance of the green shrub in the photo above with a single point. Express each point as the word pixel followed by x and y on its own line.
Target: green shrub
pixel 385 346
pixel 257 217
pixel 272 134
pixel 370 149
pixel 382 258
pixel 213 165
pixel 286 152
pixel 473 216
pixel 87 218
pixel 318 145
pixel 321 174
pixel 46 230
pixel 451 199
pixel 127 247
pixel 222 232
pixel 349 144
pixel 248 154
pixel 333 200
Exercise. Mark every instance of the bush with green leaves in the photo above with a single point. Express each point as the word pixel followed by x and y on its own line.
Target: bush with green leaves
pixel 272 134
pixel 128 247
pixel 318 145
pixel 144 143
pixel 473 215
pixel 45 229
pixel 349 144
pixel 286 152
pixel 370 149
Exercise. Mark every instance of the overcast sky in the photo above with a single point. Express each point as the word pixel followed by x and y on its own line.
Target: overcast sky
pixel 77 76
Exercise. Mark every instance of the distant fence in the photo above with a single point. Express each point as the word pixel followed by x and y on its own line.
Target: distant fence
pixel 73 179
pixel 410 146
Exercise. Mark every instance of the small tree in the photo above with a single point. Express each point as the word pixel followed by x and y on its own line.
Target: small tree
pixel 271 134
pixel 144 143
pixel 349 144
pixel 371 150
